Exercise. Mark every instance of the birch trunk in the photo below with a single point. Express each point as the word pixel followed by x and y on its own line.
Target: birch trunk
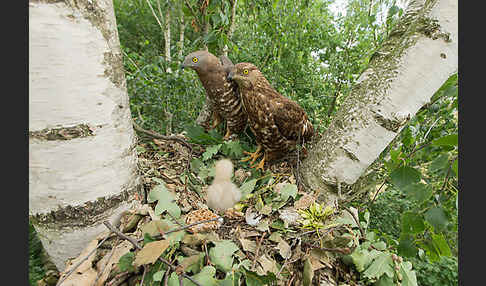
pixel 418 57
pixel 180 44
pixel 232 25
pixel 166 34
pixel 82 160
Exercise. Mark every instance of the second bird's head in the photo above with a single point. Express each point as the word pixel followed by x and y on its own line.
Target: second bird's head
pixel 244 74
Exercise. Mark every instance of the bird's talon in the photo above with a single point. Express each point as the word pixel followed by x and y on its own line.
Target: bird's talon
pixel 260 165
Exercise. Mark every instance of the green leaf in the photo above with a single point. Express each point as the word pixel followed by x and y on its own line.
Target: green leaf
pixel 158 275
pixel 159 192
pixel 232 149
pixel 308 273
pixel 409 277
pixel 210 152
pixel 439 163
pixel 197 135
pixel 247 187
pixel 407 247
pixel 412 223
pixel 125 262
pixel 205 277
pixel 196 165
pixel 174 280
pixel 221 254
pixel 385 281
pixel 289 190
pixel 168 206
pixel 253 279
pixel 454 167
pixel 437 218
pixel 404 176
pixel 448 140
pixel 361 258
pixel 383 264
pixel 380 245
pixel 418 192
pixel 441 244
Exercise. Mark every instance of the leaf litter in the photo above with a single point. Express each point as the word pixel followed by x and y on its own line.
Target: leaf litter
pixel 254 247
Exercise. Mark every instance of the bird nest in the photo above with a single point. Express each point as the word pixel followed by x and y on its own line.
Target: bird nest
pixel 258 242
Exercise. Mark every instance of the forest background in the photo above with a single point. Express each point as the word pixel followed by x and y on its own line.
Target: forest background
pixel 312 52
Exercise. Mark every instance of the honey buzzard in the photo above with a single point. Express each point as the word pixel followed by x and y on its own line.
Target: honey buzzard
pixel 212 73
pixel 277 121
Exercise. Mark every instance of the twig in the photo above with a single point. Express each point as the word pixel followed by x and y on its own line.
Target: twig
pixel 106 264
pixel 258 249
pixel 183 227
pixel 143 275
pixel 356 220
pixel 153 13
pixel 162 137
pixel 376 193
pixel 287 258
pixel 193 13
pixel 135 243
pixel 82 260
pixel 118 279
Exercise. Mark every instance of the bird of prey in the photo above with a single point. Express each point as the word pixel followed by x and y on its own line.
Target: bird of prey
pixel 222 93
pixel 278 123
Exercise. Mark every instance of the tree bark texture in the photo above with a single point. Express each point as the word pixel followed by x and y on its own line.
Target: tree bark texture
pixel 82 159
pixel 417 58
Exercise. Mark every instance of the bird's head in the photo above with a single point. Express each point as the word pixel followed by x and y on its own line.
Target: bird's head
pixel 244 74
pixel 200 61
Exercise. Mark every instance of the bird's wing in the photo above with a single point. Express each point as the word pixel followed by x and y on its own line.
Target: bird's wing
pixel 288 116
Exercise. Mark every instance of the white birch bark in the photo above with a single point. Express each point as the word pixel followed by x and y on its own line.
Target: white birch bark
pixel 76 78
pixel 167 35
pixel 419 56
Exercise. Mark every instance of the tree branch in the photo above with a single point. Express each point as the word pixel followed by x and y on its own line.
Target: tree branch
pixel 134 243
pixel 162 137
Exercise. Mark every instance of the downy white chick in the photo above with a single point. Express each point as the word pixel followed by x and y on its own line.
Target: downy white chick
pixel 222 194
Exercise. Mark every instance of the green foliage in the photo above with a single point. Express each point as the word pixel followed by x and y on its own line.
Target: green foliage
pixel 443 272
pixel 316 216
pixel 378 264
pixel 165 200
pixel 36 269
pixel 422 166
pixel 125 262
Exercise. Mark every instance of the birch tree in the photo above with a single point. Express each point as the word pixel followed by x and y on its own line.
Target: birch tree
pixel 82 159
pixel 417 58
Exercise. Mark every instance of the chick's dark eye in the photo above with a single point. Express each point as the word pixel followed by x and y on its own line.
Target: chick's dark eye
pixel 194 60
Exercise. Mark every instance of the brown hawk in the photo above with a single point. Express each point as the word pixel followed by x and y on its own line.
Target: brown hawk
pixel 212 73
pixel 277 121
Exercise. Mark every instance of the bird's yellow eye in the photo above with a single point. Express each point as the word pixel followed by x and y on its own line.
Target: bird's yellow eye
pixel 194 60
pixel 245 71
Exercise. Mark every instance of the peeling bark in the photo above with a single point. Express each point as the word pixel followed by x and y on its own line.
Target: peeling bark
pixel 82 159
pixel 402 77
pixel 232 25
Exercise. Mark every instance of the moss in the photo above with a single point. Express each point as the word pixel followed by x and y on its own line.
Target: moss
pixel 62 133
pixel 83 215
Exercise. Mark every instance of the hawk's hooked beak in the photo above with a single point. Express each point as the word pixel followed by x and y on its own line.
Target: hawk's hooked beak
pixel 230 76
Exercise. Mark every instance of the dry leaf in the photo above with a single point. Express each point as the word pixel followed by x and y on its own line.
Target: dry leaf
pixel 304 202
pixel 268 264
pixel 248 245
pixel 150 252
pixel 118 252
pixel 284 249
